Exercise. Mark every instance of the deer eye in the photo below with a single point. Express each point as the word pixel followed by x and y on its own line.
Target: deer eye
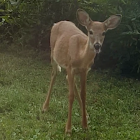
pixel 90 32
pixel 103 34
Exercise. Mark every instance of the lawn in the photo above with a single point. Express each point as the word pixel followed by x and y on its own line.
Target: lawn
pixel 113 102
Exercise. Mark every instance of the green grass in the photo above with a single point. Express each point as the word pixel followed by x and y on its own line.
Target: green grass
pixel 113 104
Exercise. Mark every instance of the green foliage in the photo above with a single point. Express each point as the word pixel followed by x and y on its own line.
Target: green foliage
pixel 28 23
pixel 125 47
pixel 129 58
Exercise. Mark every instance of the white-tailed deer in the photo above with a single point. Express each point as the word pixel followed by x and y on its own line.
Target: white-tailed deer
pixel 74 51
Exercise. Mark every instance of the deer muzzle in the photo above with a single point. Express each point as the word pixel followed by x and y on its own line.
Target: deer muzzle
pixel 97 47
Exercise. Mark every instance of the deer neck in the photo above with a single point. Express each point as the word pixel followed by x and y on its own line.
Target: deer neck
pixel 88 55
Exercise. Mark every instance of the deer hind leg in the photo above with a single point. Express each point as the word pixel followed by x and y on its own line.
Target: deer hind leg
pixel 71 99
pixel 83 77
pixel 78 97
pixel 55 68
pixel 79 101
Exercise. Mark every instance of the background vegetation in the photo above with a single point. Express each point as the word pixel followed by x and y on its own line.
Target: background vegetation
pixel 27 23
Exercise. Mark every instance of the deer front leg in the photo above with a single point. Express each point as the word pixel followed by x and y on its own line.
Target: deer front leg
pixel 71 99
pixel 53 77
pixel 83 77
pixel 78 97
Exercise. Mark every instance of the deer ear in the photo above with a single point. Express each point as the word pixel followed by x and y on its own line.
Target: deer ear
pixel 83 17
pixel 112 22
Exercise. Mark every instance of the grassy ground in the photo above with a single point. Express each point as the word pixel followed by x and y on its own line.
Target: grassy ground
pixel 113 104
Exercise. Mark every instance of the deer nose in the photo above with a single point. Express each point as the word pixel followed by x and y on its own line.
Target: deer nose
pixel 97 46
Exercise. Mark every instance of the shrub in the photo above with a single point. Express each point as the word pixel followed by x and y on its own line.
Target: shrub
pixel 28 23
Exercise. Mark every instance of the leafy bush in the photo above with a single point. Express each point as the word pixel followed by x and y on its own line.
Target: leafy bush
pixel 28 23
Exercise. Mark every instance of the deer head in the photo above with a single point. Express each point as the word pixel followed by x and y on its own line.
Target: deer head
pixel 97 30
